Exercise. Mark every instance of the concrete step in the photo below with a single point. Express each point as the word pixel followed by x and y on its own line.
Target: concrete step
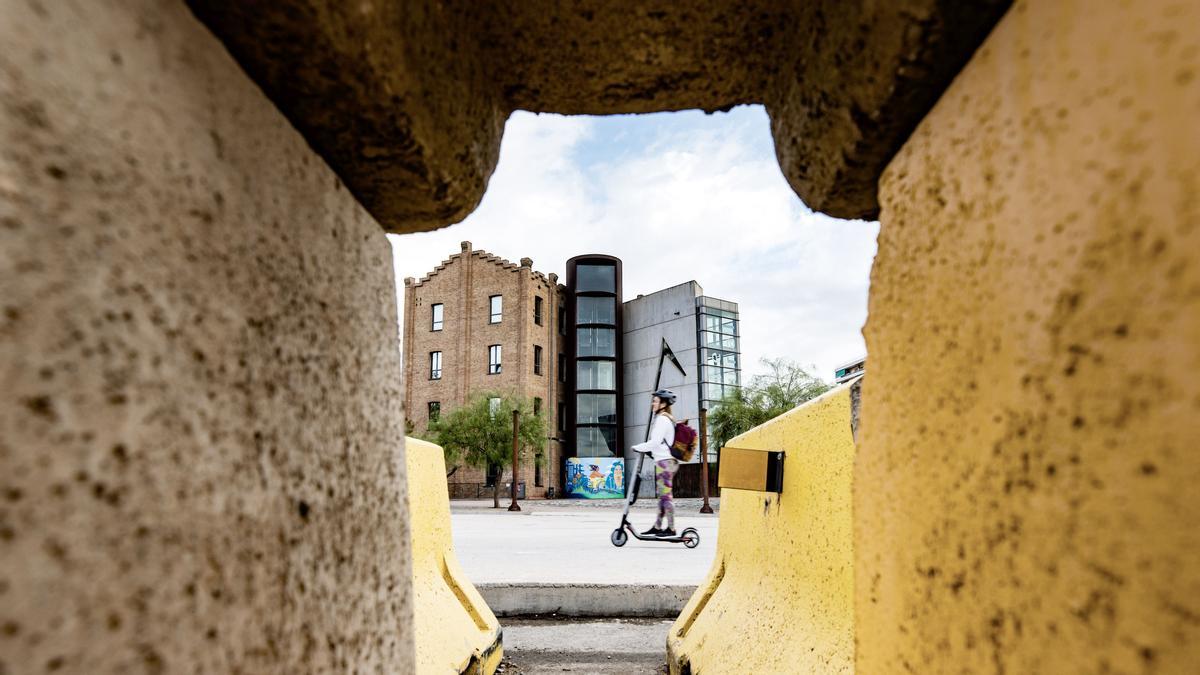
pixel 586 600
pixel 540 646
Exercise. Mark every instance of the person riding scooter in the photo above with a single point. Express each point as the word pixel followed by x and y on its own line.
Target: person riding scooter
pixel 662 435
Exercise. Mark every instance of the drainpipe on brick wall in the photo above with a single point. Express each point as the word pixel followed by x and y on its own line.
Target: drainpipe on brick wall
pixel 464 356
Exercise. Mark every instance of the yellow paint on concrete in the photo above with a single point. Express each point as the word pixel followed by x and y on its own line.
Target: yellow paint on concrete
pixel 779 598
pixel 455 630
pixel 1026 492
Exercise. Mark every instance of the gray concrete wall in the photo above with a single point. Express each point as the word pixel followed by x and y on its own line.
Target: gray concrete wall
pixel 670 314
pixel 201 459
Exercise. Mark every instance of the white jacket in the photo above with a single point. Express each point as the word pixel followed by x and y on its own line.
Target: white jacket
pixel 662 435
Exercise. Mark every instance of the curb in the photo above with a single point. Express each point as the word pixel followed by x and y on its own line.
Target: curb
pixel 586 600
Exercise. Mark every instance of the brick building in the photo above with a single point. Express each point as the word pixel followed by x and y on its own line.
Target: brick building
pixel 480 323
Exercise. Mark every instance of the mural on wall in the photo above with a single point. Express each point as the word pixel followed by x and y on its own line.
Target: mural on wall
pixel 596 477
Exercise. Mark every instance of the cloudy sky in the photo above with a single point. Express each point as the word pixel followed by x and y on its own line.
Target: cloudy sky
pixel 676 196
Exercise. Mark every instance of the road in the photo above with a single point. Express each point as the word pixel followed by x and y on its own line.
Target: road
pixel 565 542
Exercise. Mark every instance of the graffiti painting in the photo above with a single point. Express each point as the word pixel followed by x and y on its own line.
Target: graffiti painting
pixel 595 477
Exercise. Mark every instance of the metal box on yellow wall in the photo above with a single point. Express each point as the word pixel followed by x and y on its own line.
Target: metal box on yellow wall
pixel 749 469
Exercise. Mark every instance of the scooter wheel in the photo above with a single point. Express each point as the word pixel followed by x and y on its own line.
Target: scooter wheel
pixel 691 538
pixel 619 537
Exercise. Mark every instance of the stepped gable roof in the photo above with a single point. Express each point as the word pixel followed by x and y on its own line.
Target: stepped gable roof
pixel 489 258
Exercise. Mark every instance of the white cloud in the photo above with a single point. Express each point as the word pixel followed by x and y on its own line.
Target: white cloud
pixel 703 201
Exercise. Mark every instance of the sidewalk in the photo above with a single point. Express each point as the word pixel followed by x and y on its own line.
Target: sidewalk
pixel 688 506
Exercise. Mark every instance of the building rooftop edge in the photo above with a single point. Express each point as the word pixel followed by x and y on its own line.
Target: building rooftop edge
pixel 851 362
pixel 487 257
pixel 691 282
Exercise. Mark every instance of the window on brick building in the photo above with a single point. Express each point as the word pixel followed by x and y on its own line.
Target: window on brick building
pixel 496 305
pixel 435 410
pixel 537 360
pixel 493 474
pixel 538 461
pixel 493 406
pixel 562 368
pixel 562 320
pixel 537 407
pixel 562 416
pixel 537 310
pixel 435 365
pixel 437 316
pixel 494 360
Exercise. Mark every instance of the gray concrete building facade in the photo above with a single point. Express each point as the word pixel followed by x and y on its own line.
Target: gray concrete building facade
pixel 703 334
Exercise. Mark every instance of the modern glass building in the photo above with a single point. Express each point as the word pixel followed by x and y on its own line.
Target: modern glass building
pixel 593 298
pixel 719 342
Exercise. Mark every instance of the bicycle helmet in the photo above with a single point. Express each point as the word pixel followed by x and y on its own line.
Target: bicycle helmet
pixel 666 395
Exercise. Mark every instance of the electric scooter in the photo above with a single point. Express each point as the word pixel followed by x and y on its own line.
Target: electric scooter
pixel 689 537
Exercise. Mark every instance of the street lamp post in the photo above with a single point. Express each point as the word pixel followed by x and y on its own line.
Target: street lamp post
pixel 550 490
pixel 516 442
pixel 704 459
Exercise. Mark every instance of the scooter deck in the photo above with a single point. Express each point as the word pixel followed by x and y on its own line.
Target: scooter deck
pixel 677 539
pixel 665 540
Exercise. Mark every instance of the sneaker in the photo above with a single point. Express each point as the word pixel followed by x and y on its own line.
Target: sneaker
pixel 652 532
pixel 669 532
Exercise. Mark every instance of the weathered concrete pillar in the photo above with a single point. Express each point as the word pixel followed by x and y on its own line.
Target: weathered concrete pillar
pixel 407 99
pixel 201 459
pixel 1025 493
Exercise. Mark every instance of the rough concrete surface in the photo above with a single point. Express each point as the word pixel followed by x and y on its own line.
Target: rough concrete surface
pixel 407 99
pixel 455 631
pixel 1025 495
pixel 201 463
pixel 200 446
pixel 625 647
pixel 780 595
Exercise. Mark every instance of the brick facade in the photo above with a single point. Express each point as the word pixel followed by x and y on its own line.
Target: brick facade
pixel 463 284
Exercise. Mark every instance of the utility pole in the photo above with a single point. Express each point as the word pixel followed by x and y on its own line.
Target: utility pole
pixel 516 442
pixel 704 459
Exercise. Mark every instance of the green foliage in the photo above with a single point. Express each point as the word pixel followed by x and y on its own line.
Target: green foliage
pixel 479 434
pixel 766 397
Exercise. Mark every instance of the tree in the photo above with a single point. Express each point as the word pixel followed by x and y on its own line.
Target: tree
pixel 480 433
pixel 785 386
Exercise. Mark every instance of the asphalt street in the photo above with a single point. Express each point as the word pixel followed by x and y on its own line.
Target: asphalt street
pixel 565 542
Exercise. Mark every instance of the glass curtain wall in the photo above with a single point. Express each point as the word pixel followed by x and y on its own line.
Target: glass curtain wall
pixel 594 297
pixel 718 329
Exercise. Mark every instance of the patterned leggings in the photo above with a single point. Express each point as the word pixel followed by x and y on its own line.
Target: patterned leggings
pixel 664 477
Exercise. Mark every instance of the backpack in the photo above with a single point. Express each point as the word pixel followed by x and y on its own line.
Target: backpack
pixel 684 447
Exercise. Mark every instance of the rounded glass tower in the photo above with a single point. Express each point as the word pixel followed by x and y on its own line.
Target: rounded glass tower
pixel 594 416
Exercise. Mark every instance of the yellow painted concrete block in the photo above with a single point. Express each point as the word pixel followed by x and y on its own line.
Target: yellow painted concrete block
pixel 779 597
pixel 456 632
pixel 1026 492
